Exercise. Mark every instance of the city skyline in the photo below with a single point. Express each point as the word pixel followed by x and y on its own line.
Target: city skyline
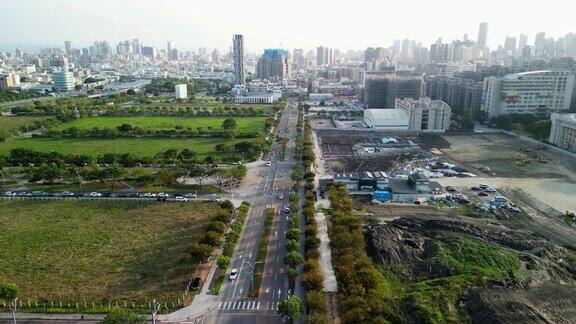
pixel 190 26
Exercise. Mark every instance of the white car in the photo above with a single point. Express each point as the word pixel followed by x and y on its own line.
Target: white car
pixel 163 195
pixel 180 198
pixel 233 274
pixel 149 195
pixel 191 195
pixel 490 189
pixel 95 194
pixel 10 194
pixel 268 163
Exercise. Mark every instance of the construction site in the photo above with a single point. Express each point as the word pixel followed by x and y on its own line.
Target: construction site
pixel 535 224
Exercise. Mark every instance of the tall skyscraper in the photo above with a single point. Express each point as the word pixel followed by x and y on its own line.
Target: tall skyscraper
pixel 136 48
pixel 482 36
pixel 169 51
pixel 539 44
pixel 522 42
pixel 238 48
pixel 320 56
pixel 68 47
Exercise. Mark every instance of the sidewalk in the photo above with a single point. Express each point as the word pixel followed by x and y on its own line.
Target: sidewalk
pixel 330 284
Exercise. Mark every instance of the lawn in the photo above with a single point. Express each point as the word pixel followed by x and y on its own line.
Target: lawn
pixel 244 124
pixel 140 147
pixel 14 122
pixel 100 251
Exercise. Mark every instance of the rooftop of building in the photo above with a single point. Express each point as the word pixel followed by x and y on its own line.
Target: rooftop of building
pixel 386 114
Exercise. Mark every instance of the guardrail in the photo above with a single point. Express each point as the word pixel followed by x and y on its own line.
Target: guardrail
pixel 141 199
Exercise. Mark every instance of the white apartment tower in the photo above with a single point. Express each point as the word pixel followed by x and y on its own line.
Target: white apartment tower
pixel 534 92
pixel 181 91
pixel 238 48
pixel 563 131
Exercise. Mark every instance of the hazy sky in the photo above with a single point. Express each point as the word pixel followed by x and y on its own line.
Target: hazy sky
pixel 306 24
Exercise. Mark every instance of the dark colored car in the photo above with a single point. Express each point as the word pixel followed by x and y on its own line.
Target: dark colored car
pixel 482 194
pixel 195 284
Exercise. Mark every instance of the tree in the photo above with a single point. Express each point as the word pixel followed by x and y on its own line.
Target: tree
pixel 229 124
pixel 223 262
pixel 293 259
pixel 9 292
pixel 468 121
pixel 291 308
pixel 123 316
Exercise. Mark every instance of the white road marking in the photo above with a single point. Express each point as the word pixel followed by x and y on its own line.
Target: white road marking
pixel 258 306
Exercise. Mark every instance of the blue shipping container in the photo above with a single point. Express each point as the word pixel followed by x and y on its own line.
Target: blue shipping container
pixel 382 195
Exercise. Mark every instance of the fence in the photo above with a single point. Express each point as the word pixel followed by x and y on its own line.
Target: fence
pixel 94 306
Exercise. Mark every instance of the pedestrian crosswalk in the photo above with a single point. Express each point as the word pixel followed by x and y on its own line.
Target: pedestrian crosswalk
pixel 247 305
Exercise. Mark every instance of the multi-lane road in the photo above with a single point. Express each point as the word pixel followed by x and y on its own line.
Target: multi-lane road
pixel 271 183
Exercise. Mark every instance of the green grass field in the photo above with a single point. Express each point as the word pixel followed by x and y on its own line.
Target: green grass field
pixel 99 251
pixel 140 147
pixel 244 124
pixel 13 122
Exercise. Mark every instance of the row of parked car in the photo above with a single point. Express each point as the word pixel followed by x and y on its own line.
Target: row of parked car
pixel 161 196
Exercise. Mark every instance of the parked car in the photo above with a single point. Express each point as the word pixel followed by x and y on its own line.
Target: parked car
pixel 483 186
pixel 233 274
pixel 180 198
pixel 490 190
pixel 67 194
pixel 10 194
pixel 281 196
pixel 268 163
pixel 149 195
pixel 476 188
pixel 95 194
pixel 24 194
pixel 163 195
pixel 482 194
pixel 450 189
pixel 38 193
pixel 191 195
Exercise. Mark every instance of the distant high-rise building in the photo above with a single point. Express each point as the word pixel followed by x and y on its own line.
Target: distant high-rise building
pixel 275 63
pixel 482 36
pixel 68 47
pixel 539 44
pixel 215 56
pixel 510 45
pixel 169 51
pixel 298 56
pixel 238 48
pixel 522 42
pixel 136 48
pixel 148 51
pixel 321 55
pixel 570 45
pixel 382 91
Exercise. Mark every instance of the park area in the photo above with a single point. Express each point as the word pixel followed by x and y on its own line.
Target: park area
pixel 138 147
pixel 76 251
pixel 243 124
pixel 11 123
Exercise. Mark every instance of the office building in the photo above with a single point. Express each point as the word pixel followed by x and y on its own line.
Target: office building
pixel 382 91
pixel 522 43
pixel 68 47
pixel 535 92
pixel 539 44
pixel 482 37
pixel 9 80
pixel 63 81
pixel 169 51
pixel 181 91
pixel 149 51
pixel 238 49
pixel 563 131
pixel 275 63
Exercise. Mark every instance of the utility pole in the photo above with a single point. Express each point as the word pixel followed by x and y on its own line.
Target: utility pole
pixel 154 311
pixel 14 311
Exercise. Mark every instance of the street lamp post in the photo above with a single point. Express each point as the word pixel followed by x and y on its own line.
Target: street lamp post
pixel 154 311
pixel 252 273
pixel 14 311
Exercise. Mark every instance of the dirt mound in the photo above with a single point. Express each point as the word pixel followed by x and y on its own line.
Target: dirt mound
pixel 549 303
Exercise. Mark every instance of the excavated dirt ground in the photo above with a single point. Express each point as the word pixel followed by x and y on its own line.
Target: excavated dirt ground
pixel 545 292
